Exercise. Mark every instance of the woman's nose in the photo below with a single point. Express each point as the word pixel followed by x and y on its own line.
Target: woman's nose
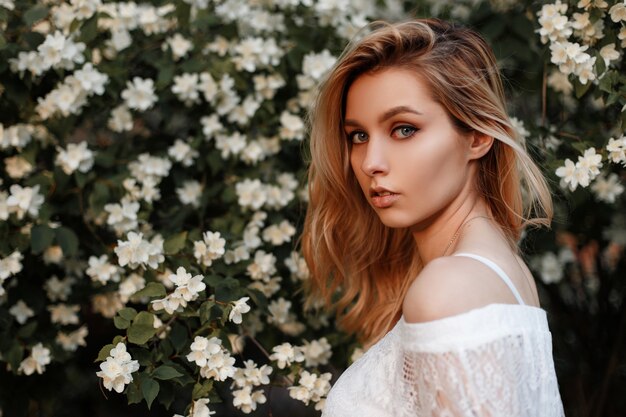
pixel 375 161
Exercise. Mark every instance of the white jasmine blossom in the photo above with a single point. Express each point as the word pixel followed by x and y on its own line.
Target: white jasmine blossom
pixel 285 353
pixel 139 94
pixel 37 360
pixel 24 200
pixel 17 167
pixel 71 341
pixel 102 271
pixel 64 314
pixel 179 46
pixel 210 248
pixel 607 189
pixel 190 193
pixel 138 252
pixel 77 157
pixel 21 311
pixel 121 119
pixel 239 307
pixel 116 370
pixel 182 152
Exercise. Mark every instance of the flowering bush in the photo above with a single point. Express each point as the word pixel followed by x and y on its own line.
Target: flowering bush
pixel 153 191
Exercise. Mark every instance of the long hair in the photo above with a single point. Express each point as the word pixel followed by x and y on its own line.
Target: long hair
pixel 360 267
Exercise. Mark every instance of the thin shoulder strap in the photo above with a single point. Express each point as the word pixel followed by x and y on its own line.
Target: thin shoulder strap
pixel 497 270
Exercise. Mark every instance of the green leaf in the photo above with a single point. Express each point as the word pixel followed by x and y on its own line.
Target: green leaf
pixel 153 289
pixel 581 89
pixel 40 238
pixel 27 330
pixel 128 313
pixel 67 239
pixel 175 243
pixel 133 393
pixel 14 355
pixel 34 14
pixel 205 311
pixel 142 328
pixel 201 390
pixel 149 389
pixel 104 352
pixel 89 30
pixel 165 372
pixel 120 322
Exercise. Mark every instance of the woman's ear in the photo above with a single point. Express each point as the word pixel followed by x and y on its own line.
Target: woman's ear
pixel 480 143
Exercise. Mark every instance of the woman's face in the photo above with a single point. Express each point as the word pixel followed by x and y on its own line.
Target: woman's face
pixel 404 141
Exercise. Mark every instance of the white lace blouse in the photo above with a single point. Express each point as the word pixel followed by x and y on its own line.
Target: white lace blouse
pixel 492 361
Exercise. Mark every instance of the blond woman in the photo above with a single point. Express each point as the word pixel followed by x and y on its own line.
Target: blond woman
pixel 419 192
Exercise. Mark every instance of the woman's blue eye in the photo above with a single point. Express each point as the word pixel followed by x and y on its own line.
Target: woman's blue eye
pixel 405 131
pixel 357 137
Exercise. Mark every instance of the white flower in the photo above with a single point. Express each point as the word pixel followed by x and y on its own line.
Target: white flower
pixel 188 288
pixel 132 284
pixel 10 265
pixel 315 65
pixel 591 162
pixel 64 314
pixel 571 175
pixel 550 268
pixel 123 216
pixel 179 46
pixel 201 408
pixel 231 144
pixel 137 251
pixel 186 88
pixel 316 352
pixel 251 375
pixel 312 387
pixel 37 360
pixel 21 312
pixel 58 290
pixel 17 136
pixel 618 12
pixel 116 370
pixel 71 341
pixel 210 248
pixel 182 152
pixel 617 150
pixel 285 354
pixel 202 349
pixel 608 53
pixel 298 267
pixel 607 189
pixel 139 94
pixel 76 157
pixel 239 307
pixel 100 270
pixel 211 125
pixel 263 266
pixel 559 82
pixel 24 200
pixel 91 80
pixel 246 400
pixel 292 126
pixel 17 167
pixel 190 193
pixel 279 234
pixel 251 193
pixel 53 255
pixel 121 120
pixel 279 311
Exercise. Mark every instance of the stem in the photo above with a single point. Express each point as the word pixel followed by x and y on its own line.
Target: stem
pixel 544 94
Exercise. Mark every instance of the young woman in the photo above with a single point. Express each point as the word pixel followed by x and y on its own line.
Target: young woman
pixel 419 191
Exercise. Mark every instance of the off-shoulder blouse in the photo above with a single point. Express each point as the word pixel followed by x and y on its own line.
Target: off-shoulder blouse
pixel 491 361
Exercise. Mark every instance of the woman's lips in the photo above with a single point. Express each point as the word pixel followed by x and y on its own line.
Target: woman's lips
pixel 382 201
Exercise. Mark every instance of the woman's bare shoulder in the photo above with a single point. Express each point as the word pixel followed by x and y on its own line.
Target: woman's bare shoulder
pixel 447 286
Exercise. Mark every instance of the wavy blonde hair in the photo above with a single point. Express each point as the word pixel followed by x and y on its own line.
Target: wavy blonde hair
pixel 360 267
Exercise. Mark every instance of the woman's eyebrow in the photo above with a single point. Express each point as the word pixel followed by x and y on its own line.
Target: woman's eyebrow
pixel 386 115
